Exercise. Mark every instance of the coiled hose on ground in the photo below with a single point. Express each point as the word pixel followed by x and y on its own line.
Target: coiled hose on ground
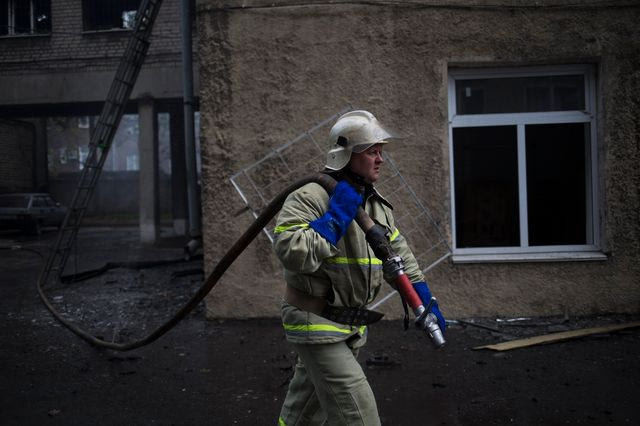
pixel 326 181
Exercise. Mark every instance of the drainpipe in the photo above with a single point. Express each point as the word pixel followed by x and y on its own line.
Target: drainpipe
pixel 195 232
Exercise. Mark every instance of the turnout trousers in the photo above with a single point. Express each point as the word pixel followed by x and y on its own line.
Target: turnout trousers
pixel 328 388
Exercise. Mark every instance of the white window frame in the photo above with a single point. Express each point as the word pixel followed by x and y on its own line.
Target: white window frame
pixel 524 252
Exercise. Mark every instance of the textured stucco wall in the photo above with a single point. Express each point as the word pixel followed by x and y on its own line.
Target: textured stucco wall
pixel 268 73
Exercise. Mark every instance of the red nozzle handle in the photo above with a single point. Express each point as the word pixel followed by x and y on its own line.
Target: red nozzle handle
pixel 407 291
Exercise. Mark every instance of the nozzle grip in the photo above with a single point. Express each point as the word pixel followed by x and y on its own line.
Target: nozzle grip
pixel 408 292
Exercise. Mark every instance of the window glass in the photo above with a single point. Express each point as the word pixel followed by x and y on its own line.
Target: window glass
pixel 83 153
pixel 486 186
pixel 4 17
pixel 133 162
pixel 22 17
pixel 42 16
pixel 557 157
pixel 25 17
pixel 108 14
pixel 128 19
pixel 520 94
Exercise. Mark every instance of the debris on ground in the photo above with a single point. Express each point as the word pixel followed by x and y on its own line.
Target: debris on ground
pixel 196 372
pixel 557 337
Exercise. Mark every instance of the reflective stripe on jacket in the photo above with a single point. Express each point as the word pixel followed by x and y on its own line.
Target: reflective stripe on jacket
pixel 347 274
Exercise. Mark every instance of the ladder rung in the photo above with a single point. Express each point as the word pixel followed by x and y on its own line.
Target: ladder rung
pixel 125 82
pixel 69 228
pixel 85 195
pixel 104 123
pixel 69 241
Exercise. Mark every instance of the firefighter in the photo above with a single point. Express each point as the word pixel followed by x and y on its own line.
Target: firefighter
pixel 331 274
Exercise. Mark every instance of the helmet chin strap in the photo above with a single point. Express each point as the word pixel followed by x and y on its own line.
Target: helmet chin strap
pixel 347 173
pixel 354 177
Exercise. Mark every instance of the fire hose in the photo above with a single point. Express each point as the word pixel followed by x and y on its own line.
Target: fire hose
pixel 375 235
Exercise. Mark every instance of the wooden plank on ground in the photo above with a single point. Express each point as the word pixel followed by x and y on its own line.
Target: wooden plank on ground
pixel 556 337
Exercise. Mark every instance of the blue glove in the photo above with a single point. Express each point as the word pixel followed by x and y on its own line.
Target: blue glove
pixel 343 206
pixel 425 295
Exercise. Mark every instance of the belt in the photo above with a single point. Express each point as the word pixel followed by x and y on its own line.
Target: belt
pixel 339 314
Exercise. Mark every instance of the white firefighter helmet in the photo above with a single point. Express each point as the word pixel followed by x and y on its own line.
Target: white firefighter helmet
pixel 354 131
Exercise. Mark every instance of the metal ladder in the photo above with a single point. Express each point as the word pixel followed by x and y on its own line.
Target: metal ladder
pixel 102 137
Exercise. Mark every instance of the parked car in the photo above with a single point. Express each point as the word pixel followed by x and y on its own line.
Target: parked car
pixel 30 212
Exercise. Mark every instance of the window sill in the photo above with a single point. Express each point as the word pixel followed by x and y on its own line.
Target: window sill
pixel 530 257
pixel 110 30
pixel 17 36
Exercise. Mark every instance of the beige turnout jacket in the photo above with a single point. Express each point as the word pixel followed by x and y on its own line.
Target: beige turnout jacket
pixel 347 274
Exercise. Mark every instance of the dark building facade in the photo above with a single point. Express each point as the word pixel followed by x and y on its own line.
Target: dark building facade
pixel 57 61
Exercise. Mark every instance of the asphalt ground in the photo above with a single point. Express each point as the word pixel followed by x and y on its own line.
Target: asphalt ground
pixel 235 372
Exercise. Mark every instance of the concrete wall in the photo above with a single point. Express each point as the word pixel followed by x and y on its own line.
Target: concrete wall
pixel 17 141
pixel 269 73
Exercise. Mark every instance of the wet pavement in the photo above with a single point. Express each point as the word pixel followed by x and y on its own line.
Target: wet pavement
pixel 228 372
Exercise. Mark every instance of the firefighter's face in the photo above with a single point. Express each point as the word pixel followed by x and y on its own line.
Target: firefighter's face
pixel 367 163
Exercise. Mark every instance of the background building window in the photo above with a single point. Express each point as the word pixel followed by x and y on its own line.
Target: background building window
pixel 133 162
pixel 25 17
pixel 68 141
pixel 100 15
pixel 522 158
pixel 83 153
